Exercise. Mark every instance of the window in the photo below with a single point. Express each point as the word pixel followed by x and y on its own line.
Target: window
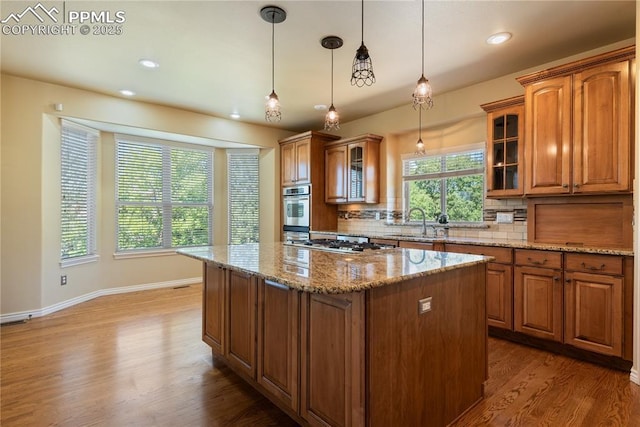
pixel 78 173
pixel 446 183
pixel 164 195
pixel 244 196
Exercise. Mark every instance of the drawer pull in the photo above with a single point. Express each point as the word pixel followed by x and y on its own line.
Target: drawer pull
pixel 592 268
pixel 534 262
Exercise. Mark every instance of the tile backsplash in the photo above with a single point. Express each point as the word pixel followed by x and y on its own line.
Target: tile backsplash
pixel 358 219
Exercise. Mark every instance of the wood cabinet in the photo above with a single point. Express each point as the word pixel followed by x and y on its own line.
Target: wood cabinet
pixel 213 307
pixel 278 342
pixel 538 294
pixel 240 350
pixel 332 360
pixel 499 282
pixel 505 147
pixel 593 295
pixel 578 126
pixel 352 170
pixel 302 162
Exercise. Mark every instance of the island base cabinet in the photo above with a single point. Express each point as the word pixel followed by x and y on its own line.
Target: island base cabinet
pixel 213 312
pixel 278 344
pixel 332 360
pixel 241 323
pixel 426 369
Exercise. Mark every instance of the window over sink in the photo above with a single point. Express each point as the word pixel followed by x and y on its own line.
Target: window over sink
pixel 449 182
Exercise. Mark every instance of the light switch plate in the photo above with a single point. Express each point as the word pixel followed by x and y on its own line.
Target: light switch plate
pixel 504 217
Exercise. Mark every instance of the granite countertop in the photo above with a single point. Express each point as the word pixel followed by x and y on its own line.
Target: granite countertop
pixel 321 271
pixel 507 243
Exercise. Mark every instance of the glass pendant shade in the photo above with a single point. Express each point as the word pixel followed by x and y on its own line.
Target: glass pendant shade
pixel 420 147
pixel 422 94
pixel 332 119
pixel 272 109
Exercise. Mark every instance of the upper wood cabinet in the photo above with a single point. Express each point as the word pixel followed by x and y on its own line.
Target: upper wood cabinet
pixel 352 170
pixel 578 126
pixel 301 158
pixel 505 147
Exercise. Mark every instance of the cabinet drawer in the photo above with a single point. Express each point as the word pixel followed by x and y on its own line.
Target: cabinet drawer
pixel 534 258
pixel 592 263
pixel 501 255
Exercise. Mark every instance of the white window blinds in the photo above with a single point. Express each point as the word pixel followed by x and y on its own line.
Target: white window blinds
pixel 244 196
pixel 78 152
pixel 164 195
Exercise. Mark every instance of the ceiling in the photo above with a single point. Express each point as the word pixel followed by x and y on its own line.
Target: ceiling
pixel 215 56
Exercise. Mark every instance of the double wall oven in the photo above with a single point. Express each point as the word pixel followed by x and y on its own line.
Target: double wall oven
pixel 296 209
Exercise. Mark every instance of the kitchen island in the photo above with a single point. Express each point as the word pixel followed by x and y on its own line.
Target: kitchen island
pixel 378 338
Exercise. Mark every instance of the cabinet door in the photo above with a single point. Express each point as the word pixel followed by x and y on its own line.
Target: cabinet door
pixel 505 152
pixel 601 132
pixel 548 136
pixel 427 246
pixel 278 346
pixel 538 302
pixel 241 323
pixel 332 357
pixel 593 312
pixel 356 174
pixel 288 164
pixel 303 162
pixel 500 295
pixel 336 174
pixel 213 313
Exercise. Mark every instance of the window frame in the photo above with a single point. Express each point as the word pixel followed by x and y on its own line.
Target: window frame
pixel 167 204
pixel 92 138
pixel 231 153
pixel 442 176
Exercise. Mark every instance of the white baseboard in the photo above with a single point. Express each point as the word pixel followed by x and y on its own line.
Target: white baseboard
pixel 23 315
pixel 635 376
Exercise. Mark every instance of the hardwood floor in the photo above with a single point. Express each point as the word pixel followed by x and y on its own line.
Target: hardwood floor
pixel 138 360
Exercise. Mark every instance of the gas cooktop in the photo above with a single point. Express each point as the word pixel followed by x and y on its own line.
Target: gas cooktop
pixel 340 245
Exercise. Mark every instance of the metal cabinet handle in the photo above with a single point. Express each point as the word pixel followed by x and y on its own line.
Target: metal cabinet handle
pixel 534 262
pixel 565 185
pixel 576 185
pixel 592 268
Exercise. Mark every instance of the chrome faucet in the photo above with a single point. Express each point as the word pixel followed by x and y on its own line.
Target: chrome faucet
pixel 424 218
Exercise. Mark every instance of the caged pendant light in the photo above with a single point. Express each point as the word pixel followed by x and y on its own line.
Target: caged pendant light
pixel 332 119
pixel 362 70
pixel 274 15
pixel 420 145
pixel 422 92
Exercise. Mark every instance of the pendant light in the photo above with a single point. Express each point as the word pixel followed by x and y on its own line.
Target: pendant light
pixel 274 15
pixel 362 70
pixel 332 119
pixel 422 92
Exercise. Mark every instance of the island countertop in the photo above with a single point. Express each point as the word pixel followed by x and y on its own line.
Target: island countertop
pixel 320 271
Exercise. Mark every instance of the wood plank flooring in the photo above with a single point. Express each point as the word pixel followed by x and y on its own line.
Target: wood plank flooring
pixel 138 360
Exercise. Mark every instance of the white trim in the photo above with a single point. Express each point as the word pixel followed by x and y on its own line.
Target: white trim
pixel 243 151
pixel 70 262
pixel 144 254
pixel 22 315
pixel 635 376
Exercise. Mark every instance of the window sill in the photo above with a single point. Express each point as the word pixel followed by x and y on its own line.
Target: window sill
pixel 144 254
pixel 79 261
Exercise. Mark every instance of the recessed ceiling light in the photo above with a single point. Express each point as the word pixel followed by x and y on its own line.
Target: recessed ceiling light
pixel 498 38
pixel 148 63
pixel 234 115
pixel 320 107
pixel 127 92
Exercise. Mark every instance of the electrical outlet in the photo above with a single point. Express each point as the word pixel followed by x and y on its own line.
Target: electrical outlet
pixel 424 305
pixel 504 217
pixel 63 280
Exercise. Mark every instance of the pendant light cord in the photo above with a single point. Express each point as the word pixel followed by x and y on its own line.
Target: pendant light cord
pixel 273 38
pixel 422 37
pixel 362 23
pixel 331 76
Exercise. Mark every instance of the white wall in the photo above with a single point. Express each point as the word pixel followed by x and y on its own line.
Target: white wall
pixel 30 176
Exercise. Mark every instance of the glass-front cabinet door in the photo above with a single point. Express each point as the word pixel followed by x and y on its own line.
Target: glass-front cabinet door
pixel 356 170
pixel 505 132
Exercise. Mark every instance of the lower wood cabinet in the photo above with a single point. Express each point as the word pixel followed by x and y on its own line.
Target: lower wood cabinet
pixel 240 350
pixel 278 342
pixel 213 307
pixel 332 359
pixel 594 303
